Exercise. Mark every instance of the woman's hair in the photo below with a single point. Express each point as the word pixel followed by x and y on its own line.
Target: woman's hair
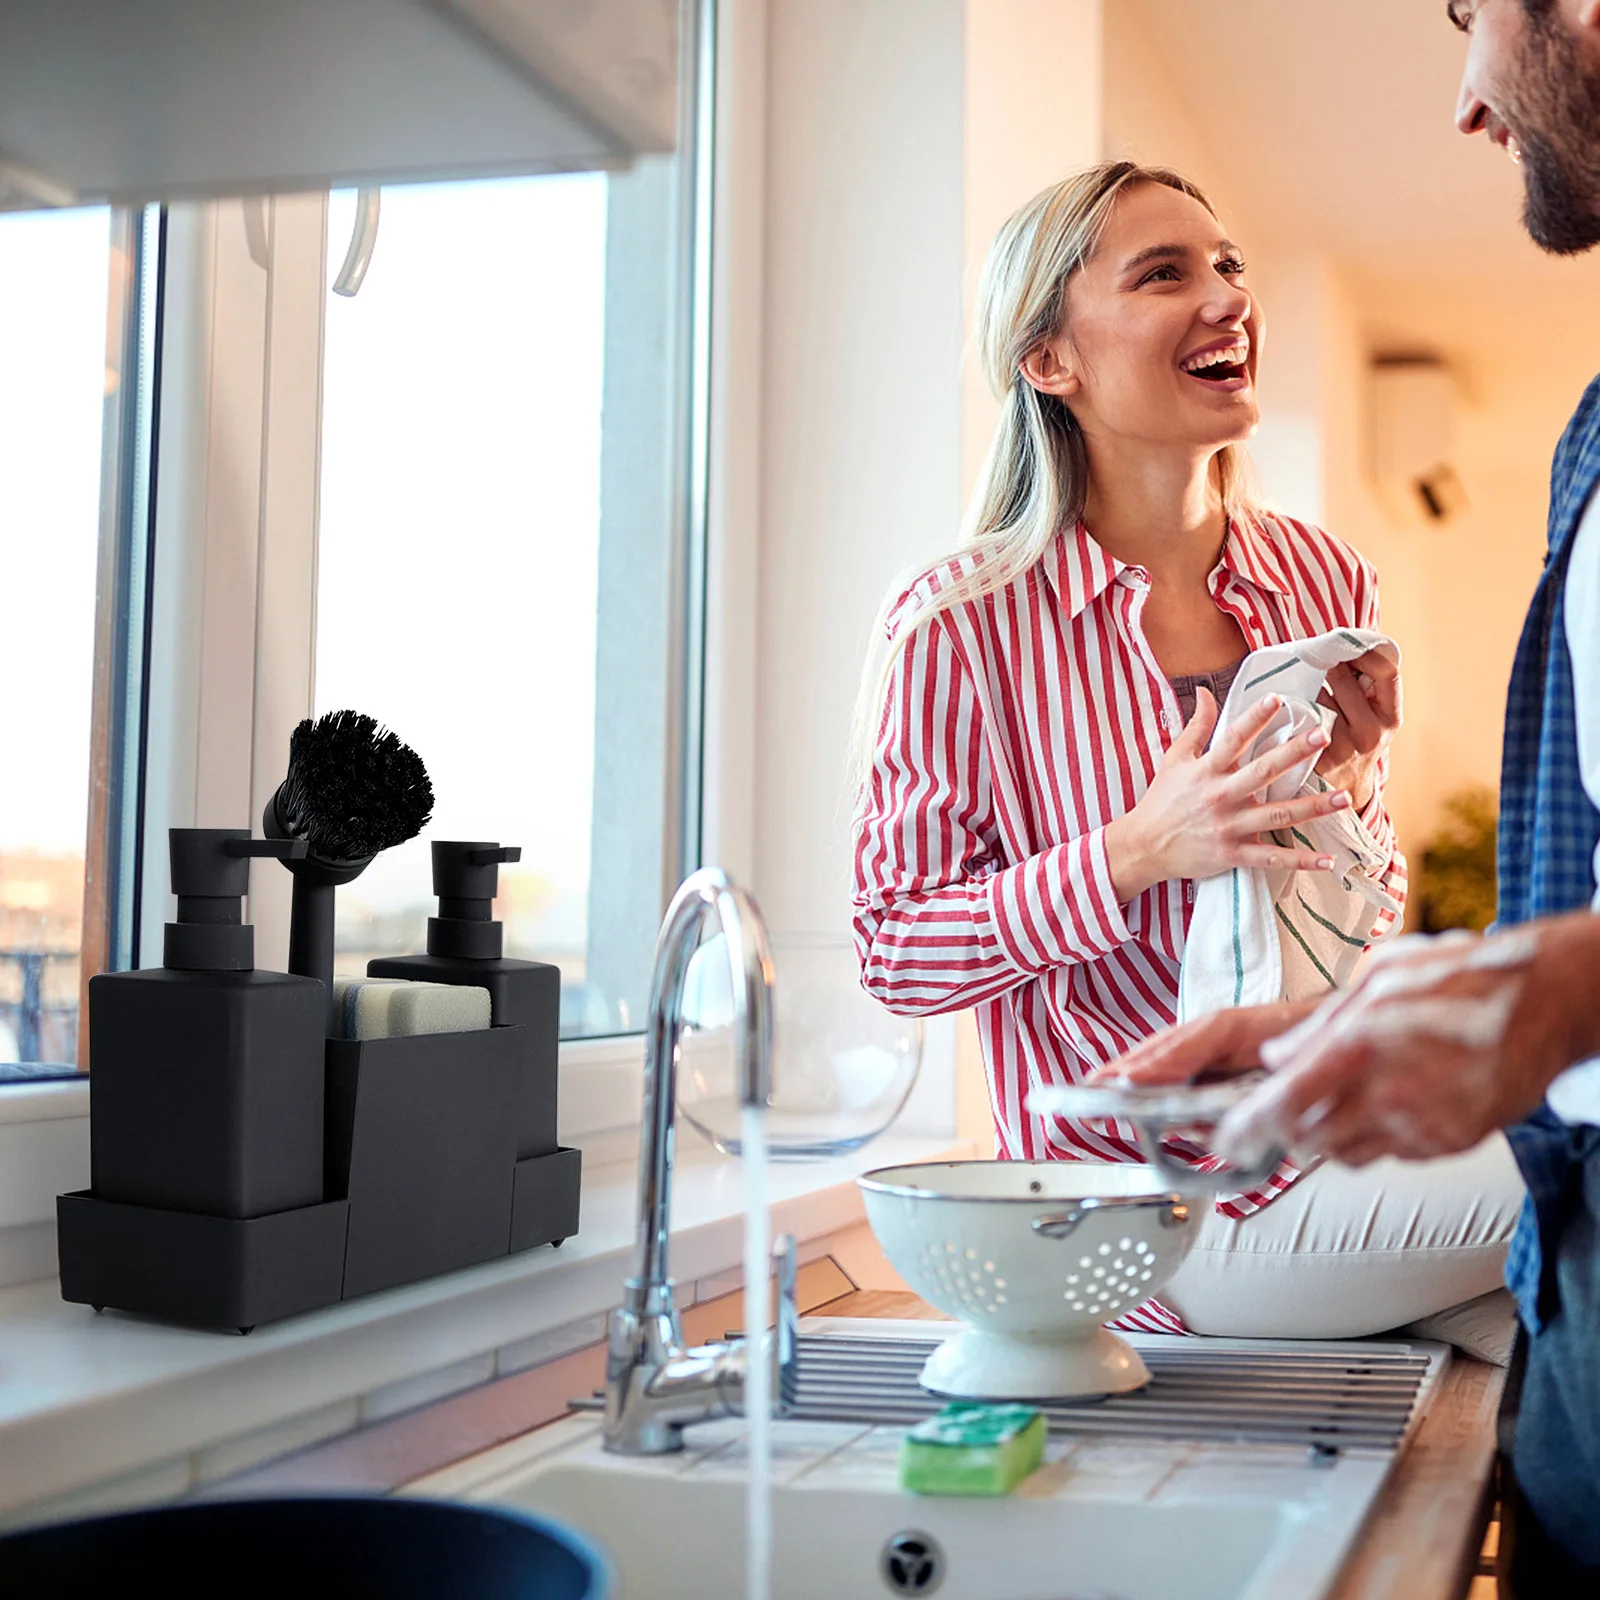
pixel 1035 479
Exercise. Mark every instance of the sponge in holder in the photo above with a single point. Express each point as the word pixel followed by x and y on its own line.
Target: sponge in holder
pixel 972 1449
pixel 392 1008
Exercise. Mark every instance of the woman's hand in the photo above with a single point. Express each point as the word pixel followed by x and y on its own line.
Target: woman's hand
pixel 1365 699
pixel 1204 814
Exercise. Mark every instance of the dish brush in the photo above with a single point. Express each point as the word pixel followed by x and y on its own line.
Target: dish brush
pixel 353 789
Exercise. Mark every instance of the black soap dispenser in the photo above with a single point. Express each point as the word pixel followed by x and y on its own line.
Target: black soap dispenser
pixel 207 1075
pixel 465 946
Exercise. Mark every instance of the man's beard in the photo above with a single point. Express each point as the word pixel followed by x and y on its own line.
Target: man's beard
pixel 1558 128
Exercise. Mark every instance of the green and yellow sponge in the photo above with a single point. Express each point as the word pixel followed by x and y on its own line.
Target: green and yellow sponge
pixel 972 1449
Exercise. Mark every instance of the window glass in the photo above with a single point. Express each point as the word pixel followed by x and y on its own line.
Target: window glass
pixel 54 383
pixel 497 570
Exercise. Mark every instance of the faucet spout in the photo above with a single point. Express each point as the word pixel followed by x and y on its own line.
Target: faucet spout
pixel 654 1386
pixel 705 896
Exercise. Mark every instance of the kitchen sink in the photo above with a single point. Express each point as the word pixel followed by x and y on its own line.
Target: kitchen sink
pixel 1110 1516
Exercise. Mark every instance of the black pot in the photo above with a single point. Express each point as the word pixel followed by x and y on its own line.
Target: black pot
pixel 357 1548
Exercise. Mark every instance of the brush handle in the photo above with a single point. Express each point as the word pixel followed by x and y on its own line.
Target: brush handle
pixel 311 937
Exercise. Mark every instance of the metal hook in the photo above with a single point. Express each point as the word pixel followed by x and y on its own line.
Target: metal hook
pixel 362 239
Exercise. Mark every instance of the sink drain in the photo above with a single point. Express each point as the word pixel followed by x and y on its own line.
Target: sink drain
pixel 911 1563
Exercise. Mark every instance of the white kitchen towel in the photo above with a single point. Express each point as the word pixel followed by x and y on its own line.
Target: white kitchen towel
pixel 1255 936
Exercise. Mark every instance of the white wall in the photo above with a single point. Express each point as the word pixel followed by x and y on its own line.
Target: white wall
pixel 1354 512
pixel 1034 111
pixel 1523 363
pixel 861 432
pixel 896 142
pixel 1148 119
pixel 860 415
pixel 893 141
pixel 1033 115
pixel 878 215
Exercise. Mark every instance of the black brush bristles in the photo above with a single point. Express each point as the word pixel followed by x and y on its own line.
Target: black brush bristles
pixel 352 788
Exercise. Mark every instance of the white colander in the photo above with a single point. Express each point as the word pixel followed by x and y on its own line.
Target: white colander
pixel 1034 1256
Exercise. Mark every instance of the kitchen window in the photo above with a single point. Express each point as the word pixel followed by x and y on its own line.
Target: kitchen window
pixel 469 499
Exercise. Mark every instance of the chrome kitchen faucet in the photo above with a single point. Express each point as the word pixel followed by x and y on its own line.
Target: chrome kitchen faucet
pixel 655 1387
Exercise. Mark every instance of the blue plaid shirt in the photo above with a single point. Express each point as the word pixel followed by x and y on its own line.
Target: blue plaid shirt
pixel 1548 832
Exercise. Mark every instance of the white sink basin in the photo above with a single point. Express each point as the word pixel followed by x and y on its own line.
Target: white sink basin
pixel 1103 1519
pixel 829 1539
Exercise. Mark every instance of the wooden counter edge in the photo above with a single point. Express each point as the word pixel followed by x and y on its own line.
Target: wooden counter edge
pixel 1422 1538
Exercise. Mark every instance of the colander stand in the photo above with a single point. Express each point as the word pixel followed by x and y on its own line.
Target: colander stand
pixel 981 1364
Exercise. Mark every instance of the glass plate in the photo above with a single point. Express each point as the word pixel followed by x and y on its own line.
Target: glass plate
pixel 1175 1104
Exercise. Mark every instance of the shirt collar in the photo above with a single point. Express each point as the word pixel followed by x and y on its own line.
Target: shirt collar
pixel 1079 570
pixel 1251 553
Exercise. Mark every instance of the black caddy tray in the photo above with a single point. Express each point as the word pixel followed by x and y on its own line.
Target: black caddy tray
pixel 420 1174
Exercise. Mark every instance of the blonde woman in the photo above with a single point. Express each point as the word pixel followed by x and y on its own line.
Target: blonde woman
pixel 1042 790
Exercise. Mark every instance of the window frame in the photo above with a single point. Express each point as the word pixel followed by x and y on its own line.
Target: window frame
pixel 205 615
pixel 113 853
pixel 114 786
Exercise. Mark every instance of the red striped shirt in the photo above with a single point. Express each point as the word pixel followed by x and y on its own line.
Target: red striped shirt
pixel 1016 728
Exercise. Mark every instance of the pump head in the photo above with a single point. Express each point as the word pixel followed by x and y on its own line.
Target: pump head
pixel 466 875
pixel 210 876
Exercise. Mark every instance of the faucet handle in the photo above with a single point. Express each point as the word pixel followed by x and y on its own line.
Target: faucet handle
pixel 787 1341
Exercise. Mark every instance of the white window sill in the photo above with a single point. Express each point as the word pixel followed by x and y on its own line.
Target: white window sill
pixel 44 1102
pixel 84 1398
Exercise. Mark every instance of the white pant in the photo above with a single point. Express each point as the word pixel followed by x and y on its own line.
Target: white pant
pixel 1348 1252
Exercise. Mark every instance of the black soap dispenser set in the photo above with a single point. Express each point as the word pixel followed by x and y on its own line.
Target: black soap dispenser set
pixel 245 1164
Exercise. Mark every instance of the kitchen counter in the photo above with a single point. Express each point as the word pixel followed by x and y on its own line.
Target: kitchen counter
pixel 1421 1543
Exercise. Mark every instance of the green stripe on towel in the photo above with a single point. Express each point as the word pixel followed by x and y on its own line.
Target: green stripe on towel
pixel 1327 977
pixel 1238 953
pixel 1332 927
pixel 1273 674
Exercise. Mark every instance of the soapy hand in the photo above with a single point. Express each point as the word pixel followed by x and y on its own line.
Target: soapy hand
pixel 1442 1041
pixel 1204 813
pixel 1365 698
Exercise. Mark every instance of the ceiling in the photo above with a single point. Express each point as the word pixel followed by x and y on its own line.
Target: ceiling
pixel 1335 124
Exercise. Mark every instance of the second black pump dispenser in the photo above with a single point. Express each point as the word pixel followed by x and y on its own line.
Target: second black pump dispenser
pixel 466 946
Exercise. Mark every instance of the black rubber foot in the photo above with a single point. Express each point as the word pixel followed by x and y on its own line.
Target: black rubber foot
pixel 556 1244
pixel 98 1310
pixel 245 1331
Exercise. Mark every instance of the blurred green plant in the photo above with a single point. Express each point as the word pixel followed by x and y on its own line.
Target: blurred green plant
pixel 1456 884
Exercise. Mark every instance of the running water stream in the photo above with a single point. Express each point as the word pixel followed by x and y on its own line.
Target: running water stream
pixel 759 1348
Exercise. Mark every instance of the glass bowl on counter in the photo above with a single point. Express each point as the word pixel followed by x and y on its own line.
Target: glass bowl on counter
pixel 843 1067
